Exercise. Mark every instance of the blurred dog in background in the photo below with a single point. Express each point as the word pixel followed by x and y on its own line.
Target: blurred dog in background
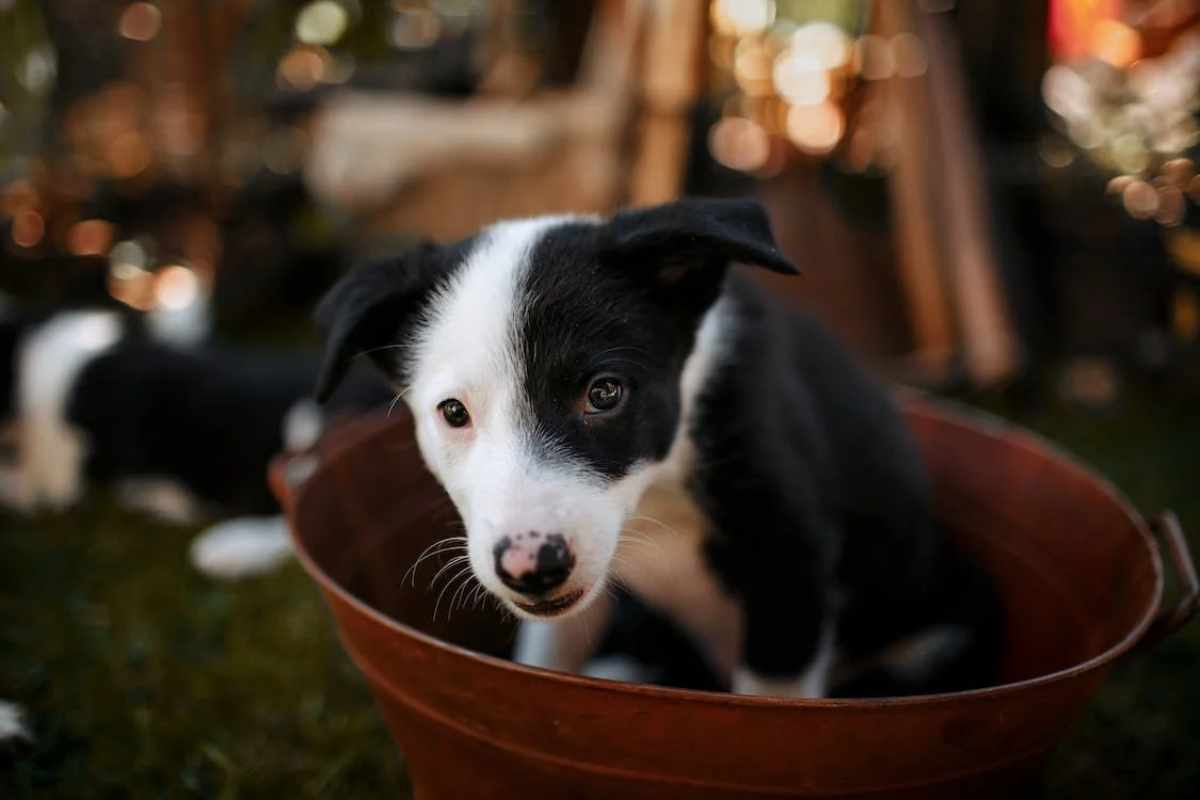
pixel 179 427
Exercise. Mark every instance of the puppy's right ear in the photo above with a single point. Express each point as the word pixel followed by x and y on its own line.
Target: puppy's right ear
pixel 365 311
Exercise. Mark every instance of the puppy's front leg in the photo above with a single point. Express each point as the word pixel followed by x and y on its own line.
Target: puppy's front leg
pixel 789 644
pixel 565 645
pixel 810 682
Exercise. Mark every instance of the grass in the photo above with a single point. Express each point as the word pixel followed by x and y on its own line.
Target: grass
pixel 143 679
pixel 1141 736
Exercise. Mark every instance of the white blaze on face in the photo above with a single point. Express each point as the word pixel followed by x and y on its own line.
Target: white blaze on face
pixel 494 470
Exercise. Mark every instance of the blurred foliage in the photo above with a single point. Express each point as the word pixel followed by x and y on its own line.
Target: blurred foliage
pixel 27 63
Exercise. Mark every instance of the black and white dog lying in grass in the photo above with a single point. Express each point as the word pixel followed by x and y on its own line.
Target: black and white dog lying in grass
pixel 607 400
pixel 185 433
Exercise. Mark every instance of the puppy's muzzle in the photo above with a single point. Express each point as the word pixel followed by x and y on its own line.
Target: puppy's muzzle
pixel 533 564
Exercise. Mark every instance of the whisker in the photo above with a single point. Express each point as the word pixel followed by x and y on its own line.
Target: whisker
pixel 441 545
pixel 630 539
pixel 658 522
pixel 454 562
pixel 442 593
pixel 392 406
pixel 619 348
pixel 476 599
pixel 381 348
pixel 458 593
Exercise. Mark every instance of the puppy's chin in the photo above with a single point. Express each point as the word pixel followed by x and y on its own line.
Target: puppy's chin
pixel 563 605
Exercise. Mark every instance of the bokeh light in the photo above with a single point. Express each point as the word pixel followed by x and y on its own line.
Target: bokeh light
pixel 28 228
pixel 1185 315
pixel 739 144
pixel 873 58
pixel 742 17
pixel 126 255
pixel 128 154
pixel 415 29
pixel 1172 206
pixel 801 78
pixel 302 68
pixel 90 237
pixel 752 67
pixel 322 22
pixel 1055 152
pixel 140 22
pixel 1179 171
pixel 176 287
pixel 824 42
pixel 908 53
pixel 1118 184
pixel 816 129
pixel 129 281
pixel 1115 42
pixel 1066 92
pixel 36 73
pixel 1140 199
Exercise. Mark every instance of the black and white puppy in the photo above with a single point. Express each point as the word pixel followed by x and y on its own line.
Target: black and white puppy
pixel 185 433
pixel 605 399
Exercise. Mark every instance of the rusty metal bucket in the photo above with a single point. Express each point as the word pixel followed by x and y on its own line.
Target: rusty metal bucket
pixel 1080 572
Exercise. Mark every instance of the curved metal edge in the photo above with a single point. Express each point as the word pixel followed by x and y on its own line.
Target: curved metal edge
pixel 949 411
pixel 1168 620
pixel 382 683
pixel 277 480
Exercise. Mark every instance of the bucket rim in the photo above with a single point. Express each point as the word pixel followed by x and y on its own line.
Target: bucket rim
pixel 912 404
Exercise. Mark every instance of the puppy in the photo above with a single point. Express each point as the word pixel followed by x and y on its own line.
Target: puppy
pixel 91 396
pixel 607 400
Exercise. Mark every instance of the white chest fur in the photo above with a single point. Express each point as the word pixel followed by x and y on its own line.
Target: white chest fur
pixel 661 560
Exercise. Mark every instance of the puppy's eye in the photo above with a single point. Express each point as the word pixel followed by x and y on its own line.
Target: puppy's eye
pixel 604 394
pixel 455 413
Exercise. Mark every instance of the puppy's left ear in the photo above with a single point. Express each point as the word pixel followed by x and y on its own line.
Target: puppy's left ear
pixel 697 232
pixel 366 311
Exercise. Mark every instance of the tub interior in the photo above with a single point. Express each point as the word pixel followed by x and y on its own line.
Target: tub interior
pixel 1072 565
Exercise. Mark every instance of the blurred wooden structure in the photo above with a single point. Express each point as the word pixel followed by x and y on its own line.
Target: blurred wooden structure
pixel 619 135
pixel 928 300
pixel 947 258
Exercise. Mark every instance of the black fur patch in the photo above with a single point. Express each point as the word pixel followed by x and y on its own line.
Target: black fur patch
pixel 820 502
pixel 373 310
pixel 10 335
pixel 566 337
pixel 209 418
pixel 625 299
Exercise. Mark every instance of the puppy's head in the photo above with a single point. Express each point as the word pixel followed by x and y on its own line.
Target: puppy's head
pixel 542 362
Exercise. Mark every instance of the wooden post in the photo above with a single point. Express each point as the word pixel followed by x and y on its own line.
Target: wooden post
pixel 989 347
pixel 917 207
pixel 672 79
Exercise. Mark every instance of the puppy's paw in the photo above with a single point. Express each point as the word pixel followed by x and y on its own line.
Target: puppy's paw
pixel 809 685
pixel 620 668
pixel 242 547
pixel 12 723
pixel 160 498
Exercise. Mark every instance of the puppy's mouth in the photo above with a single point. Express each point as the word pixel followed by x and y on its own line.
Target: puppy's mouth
pixel 551 608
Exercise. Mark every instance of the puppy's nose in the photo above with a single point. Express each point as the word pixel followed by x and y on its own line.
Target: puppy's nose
pixel 533 563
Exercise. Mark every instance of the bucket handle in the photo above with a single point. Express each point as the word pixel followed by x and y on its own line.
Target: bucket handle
pixel 1169 620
